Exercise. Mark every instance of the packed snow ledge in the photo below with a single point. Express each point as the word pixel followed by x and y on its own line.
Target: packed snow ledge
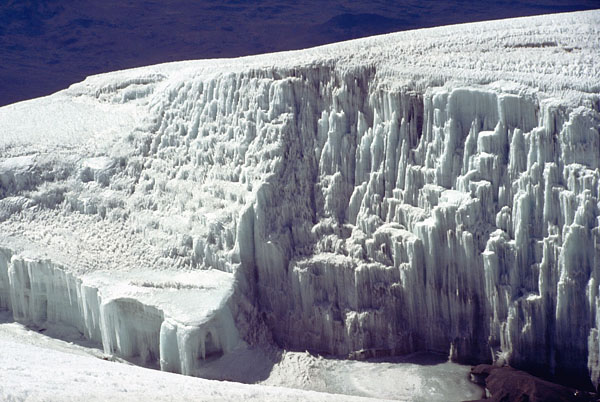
pixel 427 190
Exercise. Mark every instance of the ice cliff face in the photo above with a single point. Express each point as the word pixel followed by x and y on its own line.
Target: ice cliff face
pixel 459 219
pixel 397 200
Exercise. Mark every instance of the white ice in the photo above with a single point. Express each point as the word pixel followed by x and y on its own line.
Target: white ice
pixel 427 190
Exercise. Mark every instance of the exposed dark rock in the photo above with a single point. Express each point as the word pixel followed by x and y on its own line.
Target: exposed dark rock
pixel 506 384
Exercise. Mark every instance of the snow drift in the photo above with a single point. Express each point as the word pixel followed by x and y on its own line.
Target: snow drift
pixel 427 190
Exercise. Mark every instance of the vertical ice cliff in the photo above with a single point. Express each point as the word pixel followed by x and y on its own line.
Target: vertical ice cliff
pixel 378 197
pixel 458 219
pixel 147 327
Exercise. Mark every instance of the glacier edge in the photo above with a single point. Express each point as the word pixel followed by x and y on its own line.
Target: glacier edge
pixel 358 215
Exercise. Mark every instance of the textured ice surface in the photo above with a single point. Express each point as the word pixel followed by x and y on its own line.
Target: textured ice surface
pixel 426 190
pixel 169 319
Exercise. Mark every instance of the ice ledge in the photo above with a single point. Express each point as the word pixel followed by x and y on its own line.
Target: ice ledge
pixel 139 316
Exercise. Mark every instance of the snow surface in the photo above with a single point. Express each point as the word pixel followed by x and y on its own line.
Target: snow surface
pixel 39 370
pixel 426 190
pixel 32 358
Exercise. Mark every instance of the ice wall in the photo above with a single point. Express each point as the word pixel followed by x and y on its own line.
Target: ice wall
pixel 378 197
pixel 461 219
pixel 40 291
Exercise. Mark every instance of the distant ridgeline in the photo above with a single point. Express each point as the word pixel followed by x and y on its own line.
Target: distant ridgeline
pixel 428 190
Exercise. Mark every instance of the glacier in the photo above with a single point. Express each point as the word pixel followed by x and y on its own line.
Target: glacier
pixel 429 190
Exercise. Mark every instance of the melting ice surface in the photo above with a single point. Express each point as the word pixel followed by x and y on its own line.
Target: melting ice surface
pixel 433 190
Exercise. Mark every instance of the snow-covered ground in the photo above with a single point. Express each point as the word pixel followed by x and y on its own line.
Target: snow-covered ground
pixel 35 368
pixel 56 363
pixel 431 190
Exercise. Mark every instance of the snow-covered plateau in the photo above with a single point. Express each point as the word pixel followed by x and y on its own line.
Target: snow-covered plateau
pixel 429 190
